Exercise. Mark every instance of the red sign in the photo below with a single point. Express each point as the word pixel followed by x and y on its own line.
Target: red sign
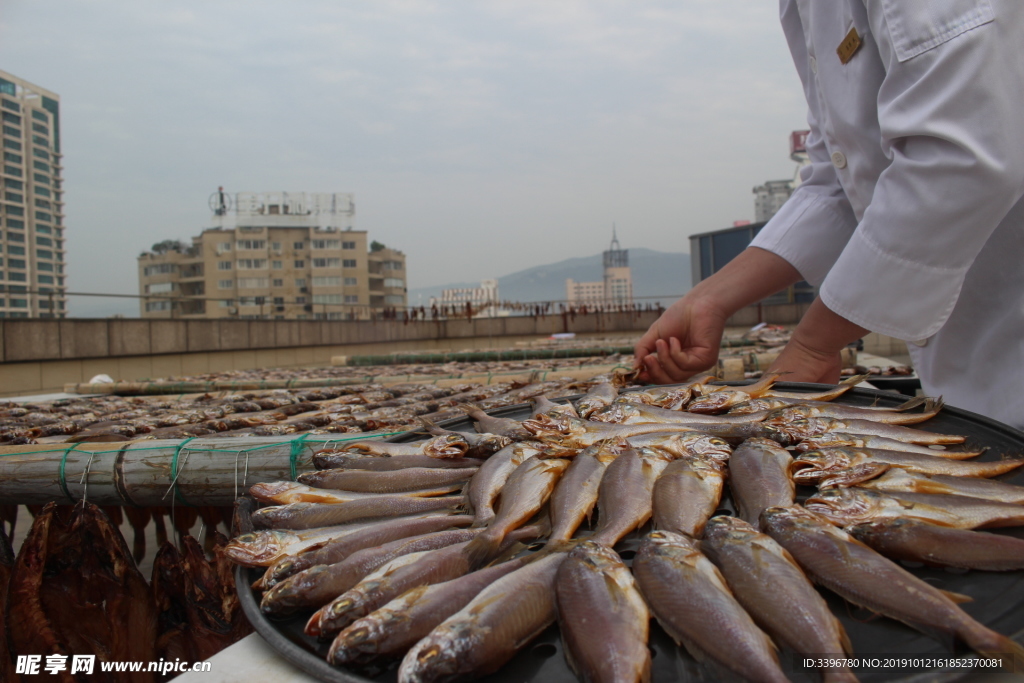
pixel 738 224
pixel 798 142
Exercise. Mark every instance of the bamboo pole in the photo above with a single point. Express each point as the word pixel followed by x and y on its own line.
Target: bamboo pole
pixel 480 356
pixel 201 471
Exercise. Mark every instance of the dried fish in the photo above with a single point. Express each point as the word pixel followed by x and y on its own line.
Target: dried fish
pixel 759 478
pixel 848 466
pixel 397 481
pixel 686 494
pixel 312 515
pixel 917 541
pixel 856 506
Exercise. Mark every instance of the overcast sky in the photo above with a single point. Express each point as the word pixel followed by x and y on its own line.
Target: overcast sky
pixel 479 137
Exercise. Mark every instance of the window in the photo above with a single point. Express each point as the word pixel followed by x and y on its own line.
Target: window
pixel 17 251
pixel 158 306
pixel 394 282
pixel 348 245
pixel 41 166
pixel 13 197
pixel 159 268
pixel 326 262
pixel 40 128
pixel 300 299
pixel 252 283
pixel 13 184
pixel 394 299
pixel 227 303
pixel 324 244
pixel 11 144
pixel 160 288
pixel 222 247
pixel 223 265
pixel 279 301
pixel 13 106
pixel 42 265
pixel 45 279
pixel 11 118
pixel 12 170
pixel 14 236
pixel 40 116
pixel 44 241
pixel 349 263
pixel 349 281
pixel 298 245
pixel 300 264
pixel 300 282
pixel 19 303
pixel 276 265
pixel 251 244
pixel 15 211
pixel 42 191
pixel 351 298
pixel 40 178
pixel 13 158
pixel 16 263
pixel 277 283
pixel 276 246
pixel 36 140
pixel 225 284
pixel 327 298
pixel 41 153
pixel 44 253
pixel 16 277
pixel 327 282
pixel 42 204
pixel 251 263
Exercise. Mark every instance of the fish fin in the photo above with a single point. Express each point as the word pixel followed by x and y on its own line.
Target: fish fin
pixel 507 554
pixel 986 642
pixel 854 380
pixel 259 584
pixel 431 428
pixel 844 637
pixel 912 403
pixel 958 598
pixel 854 475
pixel 313 625
pixel 481 550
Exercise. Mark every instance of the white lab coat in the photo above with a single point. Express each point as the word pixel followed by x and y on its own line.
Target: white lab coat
pixel 910 215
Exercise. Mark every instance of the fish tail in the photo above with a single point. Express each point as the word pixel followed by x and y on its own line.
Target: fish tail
pixel 911 404
pixel 482 549
pixel 991 644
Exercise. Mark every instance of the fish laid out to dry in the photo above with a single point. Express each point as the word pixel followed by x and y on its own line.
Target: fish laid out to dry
pixel 683 444
pixel 770 585
pixel 624 497
pixel 524 494
pixel 311 515
pixel 759 478
pixel 391 630
pixel 843 412
pixel 487 483
pixel 318 585
pixel 632 413
pixel 362 536
pixel 332 459
pixel 917 541
pixel 774 402
pixel 856 505
pixel 481 446
pixel 846 566
pixel 286 492
pixel 686 494
pixel 542 404
pixel 576 493
pixel 900 480
pixel 598 397
pixel 840 439
pixel 849 466
pixel 815 426
pixel 485 423
pixel 602 617
pixel 486 633
pixel 397 481
pixel 692 602
pixel 726 397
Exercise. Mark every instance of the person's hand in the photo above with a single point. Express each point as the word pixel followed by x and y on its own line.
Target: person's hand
pixel 686 338
pixel 683 341
pixel 812 354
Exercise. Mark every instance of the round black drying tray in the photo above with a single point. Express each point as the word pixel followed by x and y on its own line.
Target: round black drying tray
pixel 998 596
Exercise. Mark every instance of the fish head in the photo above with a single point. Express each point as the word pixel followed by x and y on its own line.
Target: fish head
pixel 781 521
pixel 754 405
pixel 674 399
pixel 446 446
pixel 789 413
pixel 829 440
pixel 724 529
pixel 667 543
pixel 439 656
pixel 617 413
pixel 811 466
pixel 548 425
pixel 586 407
pixel 360 641
pixel 698 443
pixel 843 507
pixel 717 402
pixel 596 556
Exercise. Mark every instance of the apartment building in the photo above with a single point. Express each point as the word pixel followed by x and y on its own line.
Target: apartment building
pixel 32 208
pixel 277 255
pixel 615 288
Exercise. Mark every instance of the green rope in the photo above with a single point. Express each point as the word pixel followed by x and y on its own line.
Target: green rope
pixel 61 479
pixel 174 471
pixel 296 448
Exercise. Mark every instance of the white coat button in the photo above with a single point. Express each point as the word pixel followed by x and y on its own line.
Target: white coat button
pixel 838 159
pixel 919 342
pixel 814 64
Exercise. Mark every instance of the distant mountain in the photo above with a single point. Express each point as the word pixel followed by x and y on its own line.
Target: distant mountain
pixel 655 273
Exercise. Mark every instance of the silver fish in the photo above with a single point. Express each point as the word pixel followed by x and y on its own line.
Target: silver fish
pixel 312 515
pixel 900 480
pixel 917 541
pixel 759 478
pixel 856 505
pixel 485 486
pixel 686 494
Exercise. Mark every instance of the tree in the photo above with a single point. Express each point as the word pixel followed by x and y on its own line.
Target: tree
pixel 169 245
pixel 377 246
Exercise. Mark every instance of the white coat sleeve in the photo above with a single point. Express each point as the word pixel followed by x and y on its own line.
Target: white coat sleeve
pixel 949 110
pixel 813 226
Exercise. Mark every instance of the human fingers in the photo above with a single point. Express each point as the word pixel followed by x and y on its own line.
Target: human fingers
pixel 655 372
pixel 672 359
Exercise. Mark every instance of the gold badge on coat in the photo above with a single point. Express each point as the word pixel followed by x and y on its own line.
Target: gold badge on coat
pixel 849 46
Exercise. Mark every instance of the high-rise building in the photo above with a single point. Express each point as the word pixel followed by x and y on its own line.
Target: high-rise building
pixel 32 264
pixel 615 288
pixel 279 255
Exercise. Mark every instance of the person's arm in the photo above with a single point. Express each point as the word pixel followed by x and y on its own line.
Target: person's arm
pixel 686 338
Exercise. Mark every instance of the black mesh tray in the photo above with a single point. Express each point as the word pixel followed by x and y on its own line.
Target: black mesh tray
pixel 998 596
